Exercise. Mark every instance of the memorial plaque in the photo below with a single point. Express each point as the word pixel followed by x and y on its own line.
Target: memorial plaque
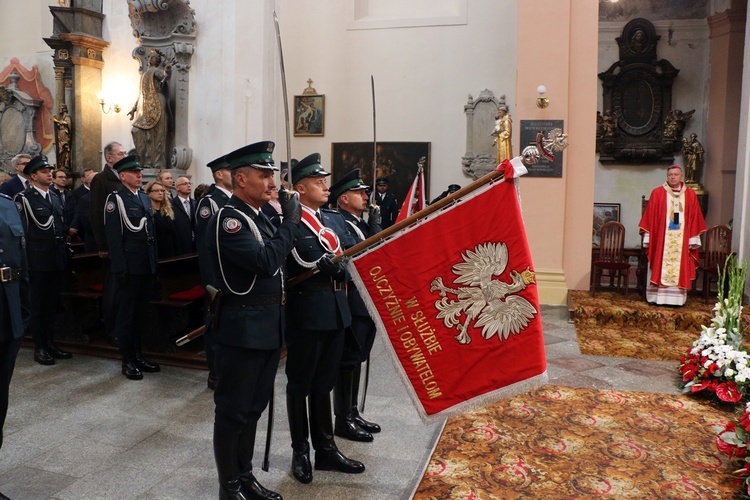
pixel 545 168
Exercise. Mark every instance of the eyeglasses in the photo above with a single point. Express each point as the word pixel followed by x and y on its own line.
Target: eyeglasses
pixel 184 183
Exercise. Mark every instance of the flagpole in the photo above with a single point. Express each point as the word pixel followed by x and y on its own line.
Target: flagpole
pixel 374 141
pixel 385 233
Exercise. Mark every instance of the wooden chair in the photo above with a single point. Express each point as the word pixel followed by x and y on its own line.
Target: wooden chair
pixel 611 255
pixel 718 246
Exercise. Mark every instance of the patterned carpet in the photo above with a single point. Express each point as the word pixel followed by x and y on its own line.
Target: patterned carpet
pixel 564 443
pixel 608 324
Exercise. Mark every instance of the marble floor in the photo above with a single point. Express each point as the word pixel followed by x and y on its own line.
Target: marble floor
pixel 80 430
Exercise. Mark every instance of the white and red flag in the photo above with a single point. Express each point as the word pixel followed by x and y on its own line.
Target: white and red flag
pixel 456 295
pixel 414 201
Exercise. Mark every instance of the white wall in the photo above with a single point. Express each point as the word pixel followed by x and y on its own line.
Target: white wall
pixel 685 44
pixel 423 75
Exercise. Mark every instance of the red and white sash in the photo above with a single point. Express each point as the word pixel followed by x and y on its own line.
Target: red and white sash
pixel 326 236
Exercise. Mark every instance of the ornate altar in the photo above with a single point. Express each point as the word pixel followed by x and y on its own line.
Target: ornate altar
pixel 637 123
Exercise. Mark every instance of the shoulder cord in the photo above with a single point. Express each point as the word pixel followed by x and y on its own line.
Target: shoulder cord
pixel 357 230
pixel 125 221
pixel 30 213
pixel 256 233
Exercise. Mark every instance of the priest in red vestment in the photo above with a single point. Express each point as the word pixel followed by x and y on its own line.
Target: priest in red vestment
pixel 671 228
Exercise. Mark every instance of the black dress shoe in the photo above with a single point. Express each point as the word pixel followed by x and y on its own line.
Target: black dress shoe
pixel 335 460
pixel 131 371
pixel 301 467
pixel 42 357
pixel 58 353
pixel 364 424
pixel 348 429
pixel 145 366
pixel 253 489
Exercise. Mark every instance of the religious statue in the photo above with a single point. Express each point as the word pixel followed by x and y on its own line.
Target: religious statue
pixel 151 127
pixel 502 133
pixel 609 124
pixel 63 129
pixel 674 123
pixel 692 152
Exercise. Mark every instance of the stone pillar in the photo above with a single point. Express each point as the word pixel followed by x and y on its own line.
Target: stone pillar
pixel 727 34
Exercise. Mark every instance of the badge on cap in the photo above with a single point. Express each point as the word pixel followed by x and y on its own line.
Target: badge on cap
pixel 231 225
pixel 204 213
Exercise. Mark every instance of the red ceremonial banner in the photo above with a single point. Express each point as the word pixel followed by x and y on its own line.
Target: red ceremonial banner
pixel 457 297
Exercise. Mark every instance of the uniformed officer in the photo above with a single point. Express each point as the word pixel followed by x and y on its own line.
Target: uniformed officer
pixel 350 195
pixel 317 314
pixel 129 227
pixel 42 218
pixel 14 297
pixel 247 255
pixel 216 196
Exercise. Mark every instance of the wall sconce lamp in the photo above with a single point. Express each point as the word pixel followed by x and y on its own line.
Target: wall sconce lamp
pixel 112 107
pixel 542 101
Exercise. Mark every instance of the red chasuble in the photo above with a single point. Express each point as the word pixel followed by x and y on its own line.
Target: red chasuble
pixel 654 221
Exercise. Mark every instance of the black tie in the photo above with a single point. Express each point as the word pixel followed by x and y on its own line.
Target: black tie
pixel 265 222
pixel 320 217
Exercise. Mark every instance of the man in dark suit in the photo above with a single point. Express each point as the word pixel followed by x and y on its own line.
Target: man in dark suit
pixel 20 182
pixel 82 217
pixel 42 218
pixel 129 226
pixel 67 200
pixel 216 196
pixel 387 202
pixel 184 216
pixel 86 176
pixel 317 314
pixel 350 195
pixel 14 297
pixel 247 255
pixel 102 185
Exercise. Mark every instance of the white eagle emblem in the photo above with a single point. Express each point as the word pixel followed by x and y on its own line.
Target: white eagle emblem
pixel 490 302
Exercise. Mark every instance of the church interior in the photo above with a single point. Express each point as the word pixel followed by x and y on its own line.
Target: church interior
pixel 636 86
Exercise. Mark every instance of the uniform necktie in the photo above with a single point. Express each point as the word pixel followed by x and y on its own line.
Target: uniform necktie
pixel 320 218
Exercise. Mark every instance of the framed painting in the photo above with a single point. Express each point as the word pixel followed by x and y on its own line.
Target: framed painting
pixel 604 212
pixel 397 162
pixel 309 115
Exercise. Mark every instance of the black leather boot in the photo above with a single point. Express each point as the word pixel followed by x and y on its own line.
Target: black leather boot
pixel 345 426
pixel 226 453
pixel 327 455
pixel 296 408
pixel 250 485
pixel 361 422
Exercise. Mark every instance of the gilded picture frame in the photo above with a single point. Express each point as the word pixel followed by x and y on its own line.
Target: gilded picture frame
pixel 309 115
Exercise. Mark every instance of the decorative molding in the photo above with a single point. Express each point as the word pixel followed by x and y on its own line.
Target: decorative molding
pixel 383 14
pixel 551 286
